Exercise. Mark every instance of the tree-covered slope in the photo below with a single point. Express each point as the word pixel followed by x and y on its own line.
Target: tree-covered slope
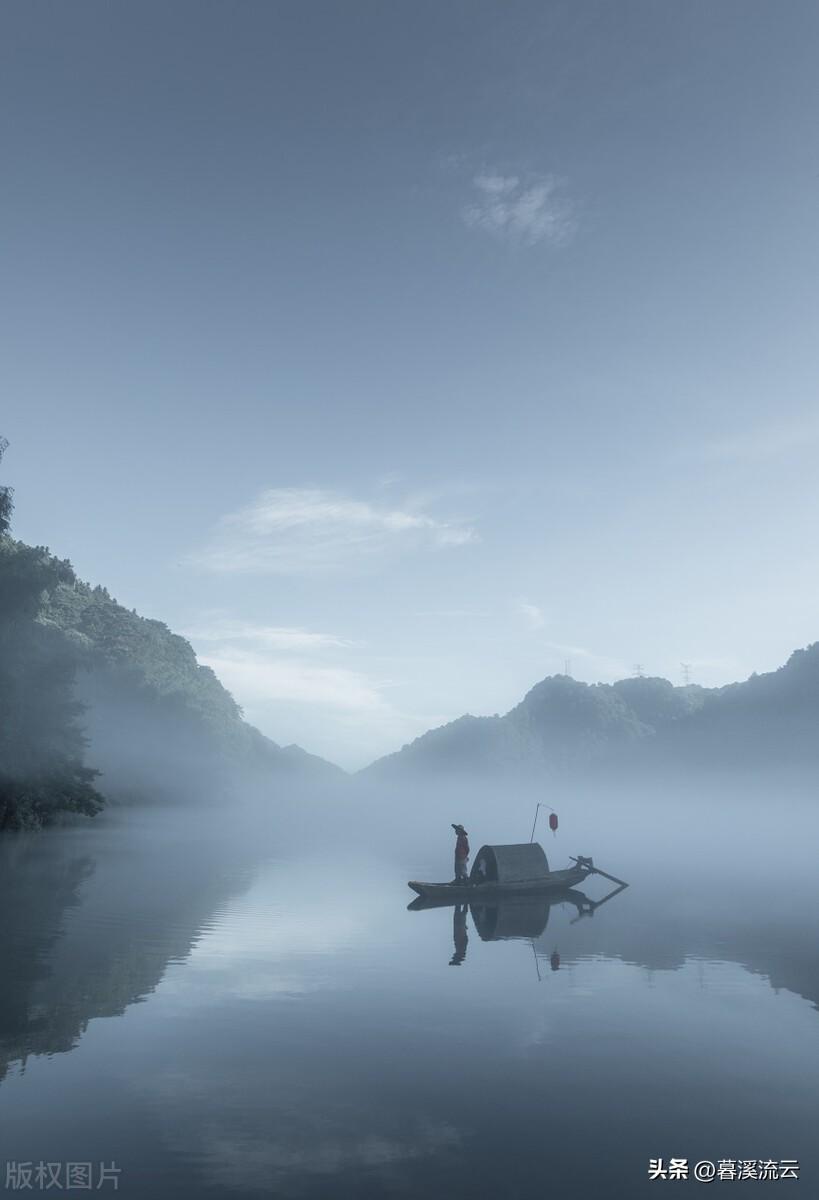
pixel 563 725
pixel 138 681
pixel 42 744
pixel 92 689
pixel 97 701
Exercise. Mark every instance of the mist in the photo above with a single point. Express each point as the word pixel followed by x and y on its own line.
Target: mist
pixel 409 675
pixel 310 1017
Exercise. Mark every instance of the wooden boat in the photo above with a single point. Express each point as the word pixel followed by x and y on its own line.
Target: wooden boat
pixel 505 871
pixel 475 893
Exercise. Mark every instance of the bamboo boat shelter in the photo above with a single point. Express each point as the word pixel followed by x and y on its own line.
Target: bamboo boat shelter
pixel 521 863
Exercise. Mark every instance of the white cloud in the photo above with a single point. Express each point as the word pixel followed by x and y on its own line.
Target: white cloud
pixel 516 210
pixel 772 441
pixel 270 637
pixel 300 685
pixel 254 679
pixel 531 613
pixel 453 613
pixel 294 530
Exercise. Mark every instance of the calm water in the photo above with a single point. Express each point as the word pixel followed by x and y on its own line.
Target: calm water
pixel 247 1008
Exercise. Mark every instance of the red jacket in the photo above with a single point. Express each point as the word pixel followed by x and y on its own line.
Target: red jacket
pixel 462 846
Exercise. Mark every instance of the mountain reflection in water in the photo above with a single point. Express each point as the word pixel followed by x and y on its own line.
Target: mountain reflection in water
pixel 249 1010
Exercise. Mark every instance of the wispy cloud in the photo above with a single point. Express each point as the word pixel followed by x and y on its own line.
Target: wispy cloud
pixel 599 667
pixel 269 637
pixel 293 530
pixel 531 613
pixel 255 679
pixel 452 613
pixel 771 441
pixel 526 211
pixel 282 663
pixel 284 676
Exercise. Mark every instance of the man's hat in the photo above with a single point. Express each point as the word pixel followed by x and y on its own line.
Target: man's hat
pixel 458 828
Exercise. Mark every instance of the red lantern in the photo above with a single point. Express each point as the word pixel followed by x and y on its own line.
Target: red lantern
pixel 553 822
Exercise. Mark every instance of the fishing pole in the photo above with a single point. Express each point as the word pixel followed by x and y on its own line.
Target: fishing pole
pixel 552 821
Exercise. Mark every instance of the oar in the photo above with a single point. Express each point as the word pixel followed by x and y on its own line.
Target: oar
pixel 596 871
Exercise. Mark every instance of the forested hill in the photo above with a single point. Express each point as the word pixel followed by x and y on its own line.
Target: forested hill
pixel 563 726
pixel 98 701
pixel 133 667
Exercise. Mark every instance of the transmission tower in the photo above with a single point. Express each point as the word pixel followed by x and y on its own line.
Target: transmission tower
pixel 638 671
pixel 686 672
pixel 567 666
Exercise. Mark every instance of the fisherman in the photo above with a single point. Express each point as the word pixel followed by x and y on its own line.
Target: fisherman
pixel 461 854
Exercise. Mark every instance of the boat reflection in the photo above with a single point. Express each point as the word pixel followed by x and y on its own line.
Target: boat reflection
pixel 511 917
pixel 460 937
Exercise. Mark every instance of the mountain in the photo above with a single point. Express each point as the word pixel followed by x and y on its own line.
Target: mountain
pixel 563 726
pixel 136 677
pixel 99 703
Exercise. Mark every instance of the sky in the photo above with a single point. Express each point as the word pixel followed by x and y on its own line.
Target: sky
pixel 400 355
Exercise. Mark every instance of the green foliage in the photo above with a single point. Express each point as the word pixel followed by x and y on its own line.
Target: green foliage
pixel 42 768
pixel 42 747
pixel 562 725
pixel 151 709
pixel 141 653
pixel 6 502
pixel 656 702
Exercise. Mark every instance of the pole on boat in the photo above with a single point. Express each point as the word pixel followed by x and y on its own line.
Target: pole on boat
pixel 540 805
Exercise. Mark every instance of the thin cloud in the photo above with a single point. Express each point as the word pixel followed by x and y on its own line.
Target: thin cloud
pixel 531 613
pixel 255 679
pixel 522 211
pixel 599 666
pixel 772 441
pixel 294 530
pixel 301 675
pixel 268 637
pixel 274 662
pixel 452 613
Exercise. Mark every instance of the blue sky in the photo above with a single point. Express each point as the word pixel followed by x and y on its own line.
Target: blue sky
pixel 397 353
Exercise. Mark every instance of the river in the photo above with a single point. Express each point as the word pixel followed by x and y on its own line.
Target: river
pixel 237 1002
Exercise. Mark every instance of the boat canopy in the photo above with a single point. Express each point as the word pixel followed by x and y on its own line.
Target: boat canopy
pixel 509 864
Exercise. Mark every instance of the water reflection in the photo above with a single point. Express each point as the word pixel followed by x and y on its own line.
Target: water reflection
pixel 460 937
pixel 276 1022
pixel 512 917
pixel 98 915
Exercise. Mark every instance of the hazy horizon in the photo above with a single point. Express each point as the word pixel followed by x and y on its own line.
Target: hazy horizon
pixel 397 355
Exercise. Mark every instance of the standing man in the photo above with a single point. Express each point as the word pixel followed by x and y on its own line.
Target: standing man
pixel 461 855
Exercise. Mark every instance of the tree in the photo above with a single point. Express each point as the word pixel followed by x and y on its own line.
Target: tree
pixel 41 742
pixel 6 495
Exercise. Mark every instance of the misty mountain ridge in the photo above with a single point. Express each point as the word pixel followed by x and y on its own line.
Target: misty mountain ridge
pixel 138 681
pixel 98 703
pixel 563 725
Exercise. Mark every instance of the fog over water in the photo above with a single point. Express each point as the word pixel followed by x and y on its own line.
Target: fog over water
pixel 235 1000
pixel 409 418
